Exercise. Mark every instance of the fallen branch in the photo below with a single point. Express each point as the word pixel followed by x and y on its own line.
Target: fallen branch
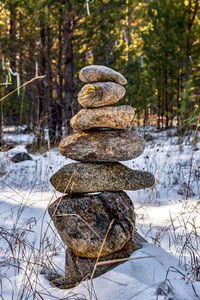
pixel 121 260
pixel 21 86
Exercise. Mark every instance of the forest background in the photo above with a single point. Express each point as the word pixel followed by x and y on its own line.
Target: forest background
pixel 155 44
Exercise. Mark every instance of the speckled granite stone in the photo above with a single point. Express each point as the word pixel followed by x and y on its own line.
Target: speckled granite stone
pixel 100 94
pixel 84 236
pixel 96 73
pixel 102 146
pixel 99 177
pixel 118 117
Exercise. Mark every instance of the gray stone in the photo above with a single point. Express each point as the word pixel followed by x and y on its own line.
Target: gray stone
pixel 99 177
pixel 22 156
pixel 96 73
pixel 82 222
pixel 100 94
pixel 102 146
pixel 118 117
pixel 78 269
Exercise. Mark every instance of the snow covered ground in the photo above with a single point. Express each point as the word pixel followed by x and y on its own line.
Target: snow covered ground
pixel 167 220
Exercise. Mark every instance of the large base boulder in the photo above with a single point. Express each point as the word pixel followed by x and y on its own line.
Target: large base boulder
pixel 82 222
pixel 78 269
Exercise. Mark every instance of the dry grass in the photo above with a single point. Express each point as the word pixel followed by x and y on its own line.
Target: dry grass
pixel 28 261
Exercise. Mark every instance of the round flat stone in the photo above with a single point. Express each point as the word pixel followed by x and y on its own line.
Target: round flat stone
pixel 102 146
pixel 100 94
pixel 119 117
pixel 96 73
pixel 99 177
pixel 82 222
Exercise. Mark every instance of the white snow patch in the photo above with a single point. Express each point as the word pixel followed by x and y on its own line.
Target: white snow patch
pixel 29 241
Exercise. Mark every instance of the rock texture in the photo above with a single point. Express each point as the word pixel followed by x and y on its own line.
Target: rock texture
pixel 98 226
pixel 82 222
pixel 95 73
pixel 99 177
pixel 78 269
pixel 102 146
pixel 100 94
pixel 119 117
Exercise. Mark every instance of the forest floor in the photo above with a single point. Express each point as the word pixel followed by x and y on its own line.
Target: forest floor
pixel 167 217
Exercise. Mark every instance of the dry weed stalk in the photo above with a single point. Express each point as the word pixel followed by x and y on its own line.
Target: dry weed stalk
pixel 27 260
pixel 191 160
pixel 21 86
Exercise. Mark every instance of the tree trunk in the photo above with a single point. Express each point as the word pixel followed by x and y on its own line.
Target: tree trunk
pixel 145 114
pixel 166 101
pixel 41 87
pixel 12 34
pixel 59 124
pixel 21 54
pixel 52 120
pixel 1 124
pixel 59 85
pixel 178 103
pixel 128 26
pixel 159 109
pixel 68 64
pixel 20 64
pixel 162 110
pixel 29 64
pixel 192 14
pixel 13 54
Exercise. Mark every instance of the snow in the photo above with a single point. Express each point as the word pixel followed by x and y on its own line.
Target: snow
pixel 168 221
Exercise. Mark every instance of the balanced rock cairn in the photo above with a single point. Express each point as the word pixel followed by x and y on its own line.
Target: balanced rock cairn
pixel 87 221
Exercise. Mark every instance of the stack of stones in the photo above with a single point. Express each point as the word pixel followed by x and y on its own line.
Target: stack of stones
pixel 82 216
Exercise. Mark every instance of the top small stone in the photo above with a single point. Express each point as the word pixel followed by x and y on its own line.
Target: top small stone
pixel 95 73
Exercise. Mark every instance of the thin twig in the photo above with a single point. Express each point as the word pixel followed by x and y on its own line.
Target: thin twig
pixel 102 245
pixel 21 86
pixel 121 260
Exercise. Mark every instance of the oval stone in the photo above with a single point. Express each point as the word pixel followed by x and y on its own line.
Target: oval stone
pixel 100 94
pixel 118 117
pixel 102 146
pixel 82 222
pixel 99 177
pixel 96 73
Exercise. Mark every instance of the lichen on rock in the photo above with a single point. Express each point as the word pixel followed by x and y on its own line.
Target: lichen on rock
pixel 100 94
